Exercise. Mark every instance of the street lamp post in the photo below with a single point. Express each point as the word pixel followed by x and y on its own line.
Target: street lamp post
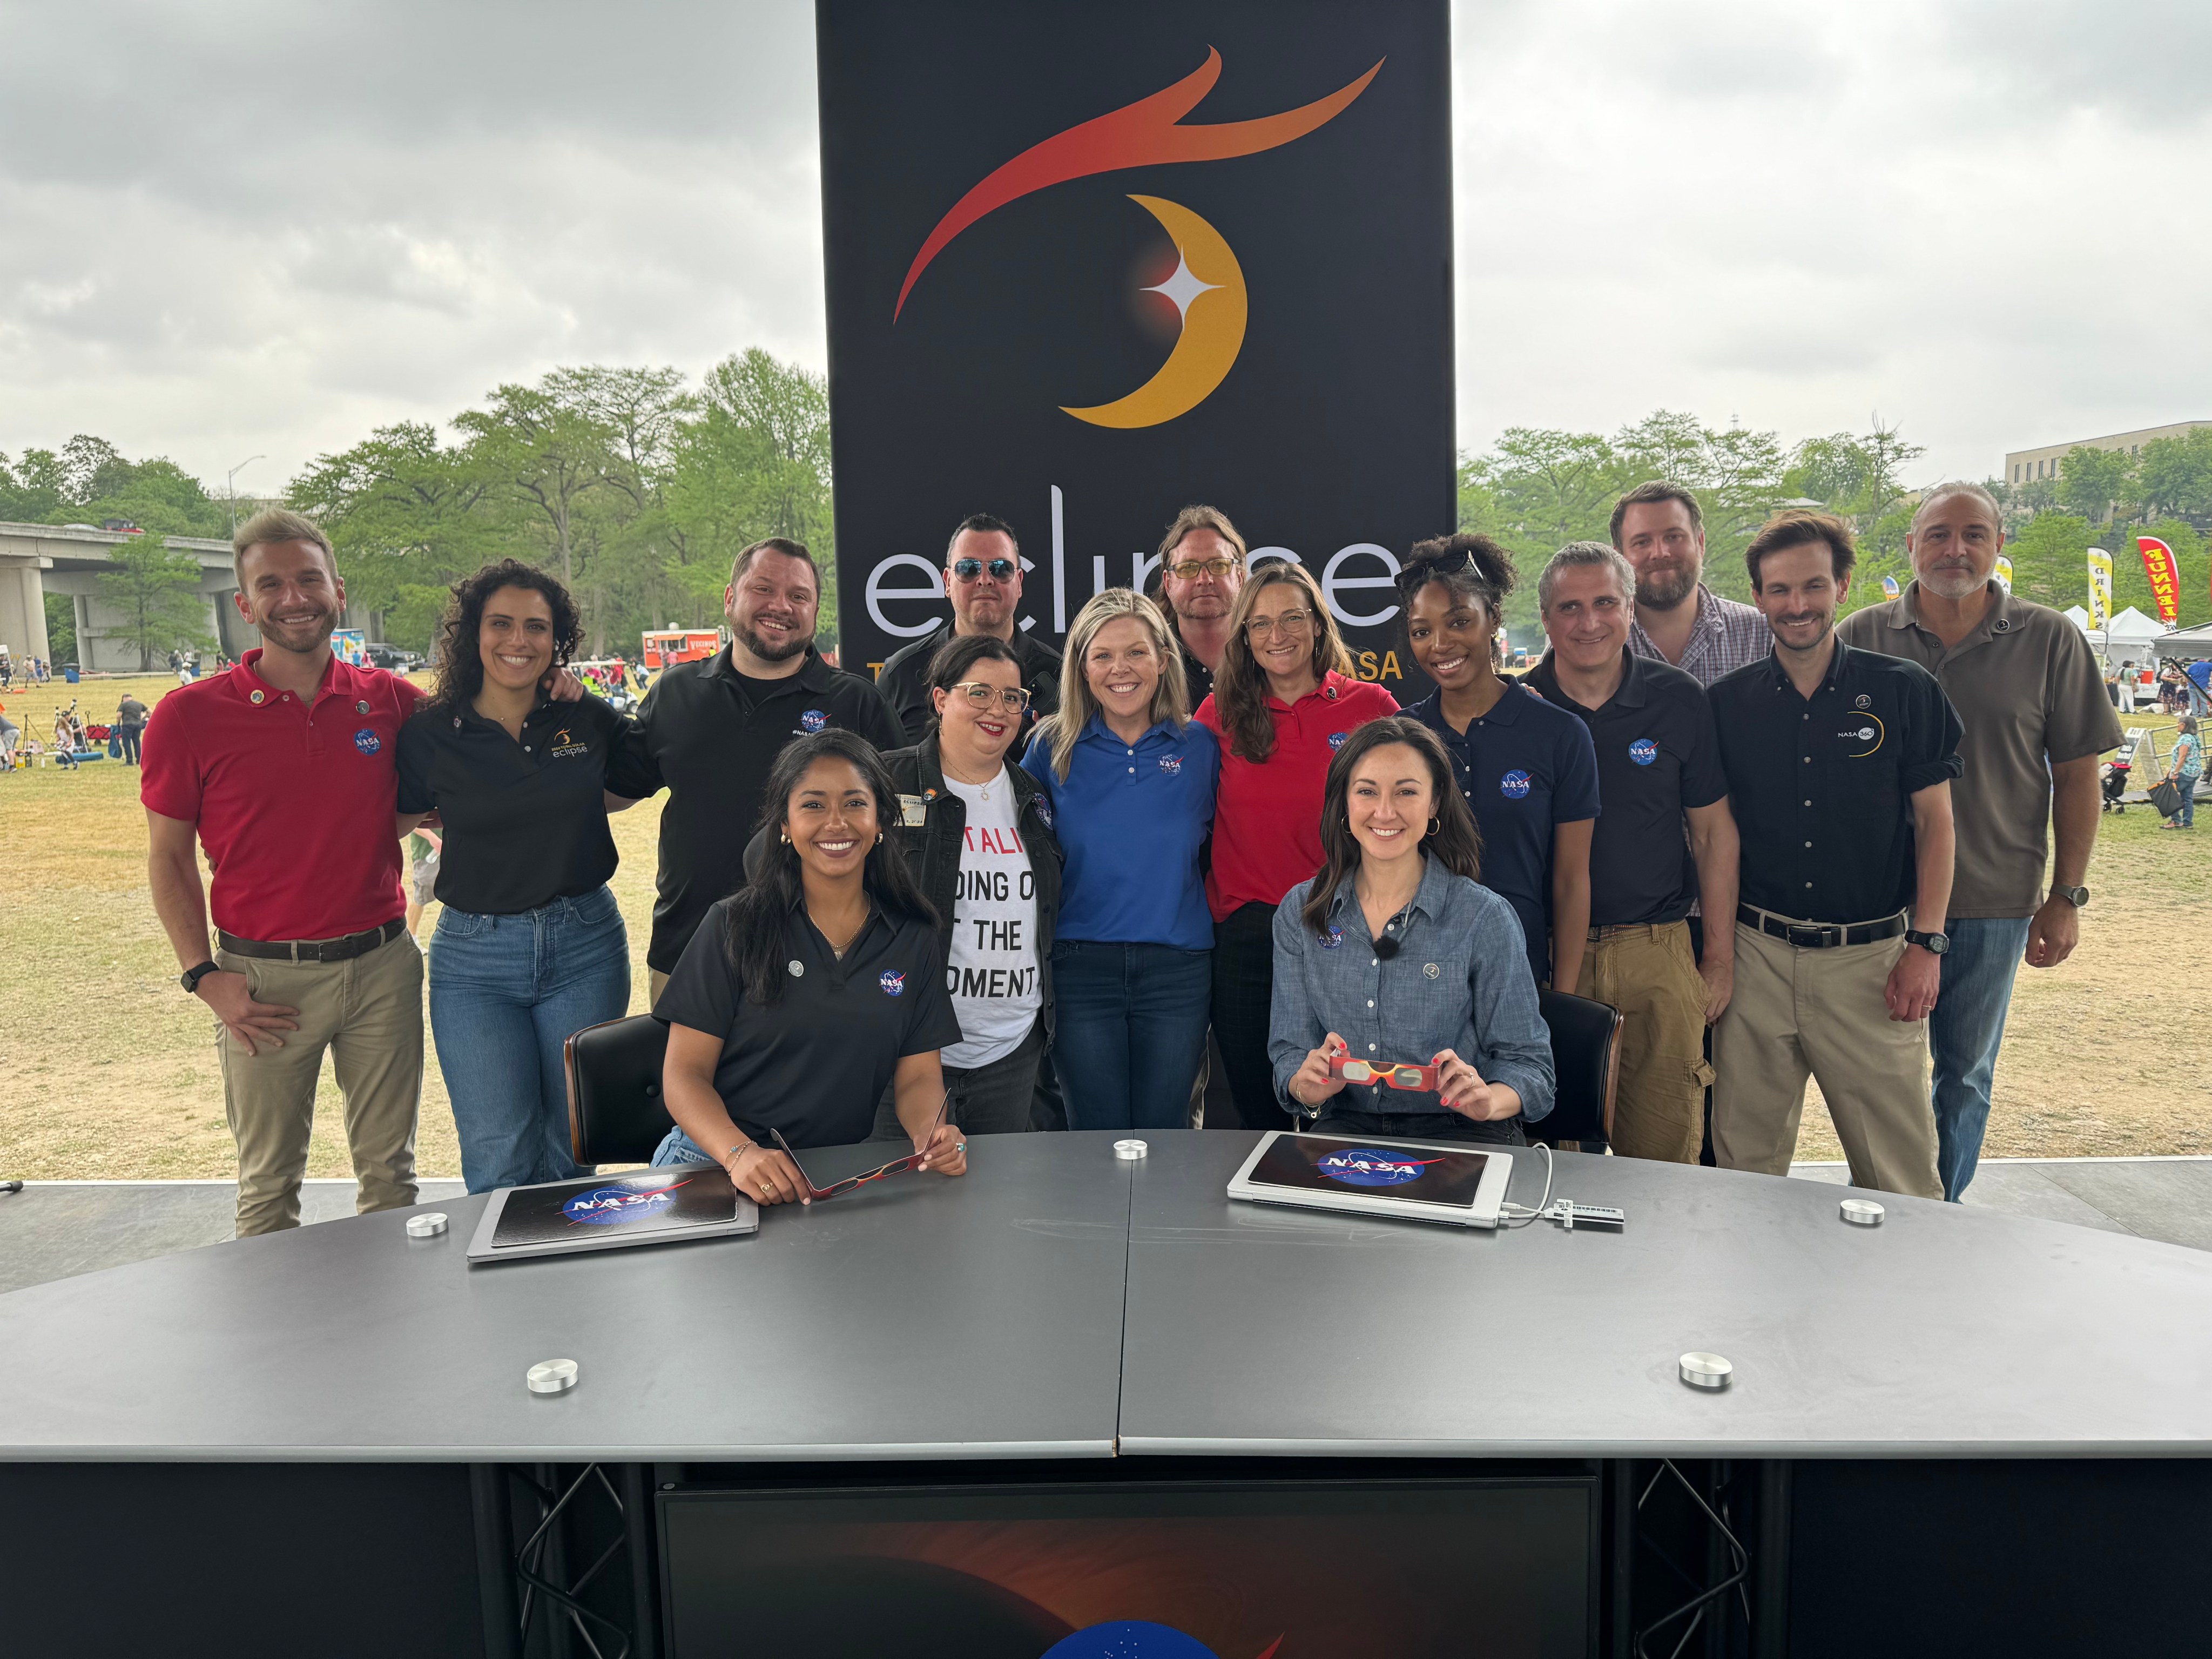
pixel 230 484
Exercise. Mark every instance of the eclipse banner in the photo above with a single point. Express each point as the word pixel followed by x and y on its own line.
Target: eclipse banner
pixel 1087 264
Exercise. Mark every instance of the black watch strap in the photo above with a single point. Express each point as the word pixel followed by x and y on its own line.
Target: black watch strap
pixel 191 978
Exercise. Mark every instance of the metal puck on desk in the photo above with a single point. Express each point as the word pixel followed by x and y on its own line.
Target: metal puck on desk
pixel 1860 1212
pixel 1130 1149
pixel 425 1226
pixel 551 1376
pixel 1706 1370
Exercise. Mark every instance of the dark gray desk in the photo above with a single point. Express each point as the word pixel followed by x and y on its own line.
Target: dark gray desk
pixel 1945 1332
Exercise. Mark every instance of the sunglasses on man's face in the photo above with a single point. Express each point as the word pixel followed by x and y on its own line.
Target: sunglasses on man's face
pixel 911 1160
pixel 1001 570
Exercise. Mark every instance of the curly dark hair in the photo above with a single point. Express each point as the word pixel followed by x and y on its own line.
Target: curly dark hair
pixel 460 668
pixel 1472 566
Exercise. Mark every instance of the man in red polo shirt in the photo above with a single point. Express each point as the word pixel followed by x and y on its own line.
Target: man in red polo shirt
pixel 282 766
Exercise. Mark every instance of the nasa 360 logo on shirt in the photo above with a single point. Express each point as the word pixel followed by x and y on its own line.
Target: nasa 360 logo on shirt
pixel 1514 784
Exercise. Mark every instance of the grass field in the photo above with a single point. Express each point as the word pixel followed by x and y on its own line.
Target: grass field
pixel 108 1070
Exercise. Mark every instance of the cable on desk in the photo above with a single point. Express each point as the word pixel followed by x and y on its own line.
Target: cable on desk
pixel 1519 1216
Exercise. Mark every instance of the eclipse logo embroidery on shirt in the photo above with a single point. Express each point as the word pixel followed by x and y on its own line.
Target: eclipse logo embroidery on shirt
pixel 1514 785
pixel 813 721
pixel 1643 751
pixel 894 984
pixel 1172 764
pixel 1336 739
pixel 564 745
pixel 366 741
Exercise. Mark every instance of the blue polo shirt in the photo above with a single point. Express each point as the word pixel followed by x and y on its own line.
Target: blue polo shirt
pixel 1130 820
pixel 1525 768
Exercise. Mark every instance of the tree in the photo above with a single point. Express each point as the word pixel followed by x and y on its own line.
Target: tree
pixel 2048 562
pixel 157 591
pixel 545 456
pixel 61 628
pixel 31 491
pixel 2175 474
pixel 2092 482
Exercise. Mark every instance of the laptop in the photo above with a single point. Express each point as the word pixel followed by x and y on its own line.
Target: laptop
pixel 607 1212
pixel 1448 1181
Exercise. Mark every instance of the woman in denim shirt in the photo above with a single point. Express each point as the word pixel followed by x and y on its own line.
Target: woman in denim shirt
pixel 1394 955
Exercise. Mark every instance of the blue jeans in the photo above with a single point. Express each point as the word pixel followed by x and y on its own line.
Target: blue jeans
pixel 1129 1032
pixel 2186 817
pixel 506 992
pixel 129 736
pixel 1964 1033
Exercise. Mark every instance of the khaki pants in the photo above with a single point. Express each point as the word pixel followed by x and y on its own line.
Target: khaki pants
pixel 1799 1012
pixel 1650 974
pixel 660 984
pixel 367 1012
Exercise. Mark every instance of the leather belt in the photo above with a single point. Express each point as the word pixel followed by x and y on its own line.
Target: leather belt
pixel 313 950
pixel 1819 935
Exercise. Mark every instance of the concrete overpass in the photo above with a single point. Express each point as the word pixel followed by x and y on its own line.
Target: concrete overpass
pixel 38 559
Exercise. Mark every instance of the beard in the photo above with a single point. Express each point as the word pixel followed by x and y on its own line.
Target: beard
pixel 301 638
pixel 772 652
pixel 1954 583
pixel 1662 590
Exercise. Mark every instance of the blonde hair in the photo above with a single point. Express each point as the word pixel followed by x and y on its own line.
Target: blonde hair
pixel 1199 516
pixel 279 524
pixel 1170 697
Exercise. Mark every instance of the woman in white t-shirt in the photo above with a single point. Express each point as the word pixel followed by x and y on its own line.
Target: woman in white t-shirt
pixel 977 834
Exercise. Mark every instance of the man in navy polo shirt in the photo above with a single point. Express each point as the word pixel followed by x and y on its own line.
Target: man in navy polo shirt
pixel 713 729
pixel 1658 767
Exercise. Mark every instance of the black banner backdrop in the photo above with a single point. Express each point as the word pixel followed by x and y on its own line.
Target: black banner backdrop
pixel 1088 263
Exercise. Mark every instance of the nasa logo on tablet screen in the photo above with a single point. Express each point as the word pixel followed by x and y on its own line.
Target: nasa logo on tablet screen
pixel 1364 1166
pixel 609 1206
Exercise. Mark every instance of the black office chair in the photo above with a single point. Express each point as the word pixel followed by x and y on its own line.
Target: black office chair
pixel 1586 1062
pixel 616 1114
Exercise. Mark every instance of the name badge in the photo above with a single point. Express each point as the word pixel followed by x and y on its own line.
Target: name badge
pixel 913 812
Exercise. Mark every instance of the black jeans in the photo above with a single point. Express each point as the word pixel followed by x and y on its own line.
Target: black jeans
pixel 986 1100
pixel 1420 1125
pixel 1244 993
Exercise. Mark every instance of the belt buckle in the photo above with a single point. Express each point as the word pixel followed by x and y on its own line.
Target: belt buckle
pixel 1809 936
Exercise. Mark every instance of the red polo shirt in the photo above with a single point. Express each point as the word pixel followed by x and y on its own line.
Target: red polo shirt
pixel 293 803
pixel 1266 816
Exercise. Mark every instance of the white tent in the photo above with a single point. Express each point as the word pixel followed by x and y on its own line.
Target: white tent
pixel 2130 637
pixel 2077 615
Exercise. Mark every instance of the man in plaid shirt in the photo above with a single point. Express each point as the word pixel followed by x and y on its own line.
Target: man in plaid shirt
pixel 1680 620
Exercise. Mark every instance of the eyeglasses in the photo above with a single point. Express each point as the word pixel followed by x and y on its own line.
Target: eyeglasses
pixel 894 1167
pixel 1191 570
pixel 968 569
pixel 1011 698
pixel 1291 622
pixel 1420 1077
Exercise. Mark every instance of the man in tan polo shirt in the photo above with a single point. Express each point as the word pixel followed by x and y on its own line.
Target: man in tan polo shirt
pixel 2036 715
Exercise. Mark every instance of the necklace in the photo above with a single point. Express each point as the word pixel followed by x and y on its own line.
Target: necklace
pixel 837 950
pixel 983 788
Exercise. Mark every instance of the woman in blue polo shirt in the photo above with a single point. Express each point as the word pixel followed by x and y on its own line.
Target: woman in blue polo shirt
pixel 1526 768
pixel 1130 781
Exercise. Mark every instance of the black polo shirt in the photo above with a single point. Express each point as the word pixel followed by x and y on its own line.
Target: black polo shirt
pixel 711 735
pixel 1657 757
pixel 815 1062
pixel 904 681
pixel 1197 678
pixel 1822 787
pixel 524 821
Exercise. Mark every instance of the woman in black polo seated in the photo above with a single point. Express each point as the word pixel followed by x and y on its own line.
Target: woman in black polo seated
pixel 1393 956
pixel 977 841
pixel 811 989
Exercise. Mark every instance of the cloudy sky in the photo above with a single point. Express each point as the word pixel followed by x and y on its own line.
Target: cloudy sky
pixel 239 227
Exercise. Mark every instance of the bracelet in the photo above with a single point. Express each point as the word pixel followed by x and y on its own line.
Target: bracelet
pixel 739 1146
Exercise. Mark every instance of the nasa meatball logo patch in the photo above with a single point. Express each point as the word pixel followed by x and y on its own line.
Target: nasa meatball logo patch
pixel 1332 939
pixel 1172 764
pixel 366 741
pixel 813 720
pixel 1514 785
pixel 894 984
pixel 609 1206
pixel 1643 751
pixel 1336 740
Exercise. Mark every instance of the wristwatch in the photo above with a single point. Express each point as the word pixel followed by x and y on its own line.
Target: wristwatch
pixel 1934 944
pixel 191 978
pixel 2077 896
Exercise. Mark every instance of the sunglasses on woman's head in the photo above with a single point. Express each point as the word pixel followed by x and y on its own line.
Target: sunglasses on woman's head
pixel 968 569
pixel 1418 573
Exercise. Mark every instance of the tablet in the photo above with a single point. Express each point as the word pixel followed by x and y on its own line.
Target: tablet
pixel 1450 1181
pixel 605 1212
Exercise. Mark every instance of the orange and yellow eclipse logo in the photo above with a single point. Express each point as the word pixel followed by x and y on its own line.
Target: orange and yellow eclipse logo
pixel 1207 286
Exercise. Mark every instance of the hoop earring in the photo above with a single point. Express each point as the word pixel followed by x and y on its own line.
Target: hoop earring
pixel 1435 824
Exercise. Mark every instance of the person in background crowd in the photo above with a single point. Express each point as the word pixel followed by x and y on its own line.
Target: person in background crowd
pixel 975 835
pixel 283 768
pixel 1525 769
pixel 2126 687
pixel 1659 770
pixel 421 880
pixel 1679 620
pixel 1394 954
pixel 2024 682
pixel 1283 704
pixel 1129 782
pixel 712 729
pixel 2197 681
pixel 530 944
pixel 7 671
pixel 10 734
pixel 2187 766
pixel 983 579
pixel 1839 764
pixel 129 727
pixel 811 990
pixel 1202 566
pixel 68 736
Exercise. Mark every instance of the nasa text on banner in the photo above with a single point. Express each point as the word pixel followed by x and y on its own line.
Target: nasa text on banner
pixel 2165 574
pixel 1088 265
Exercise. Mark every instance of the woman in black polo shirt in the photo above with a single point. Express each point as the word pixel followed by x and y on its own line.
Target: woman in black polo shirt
pixel 529 945
pixel 811 988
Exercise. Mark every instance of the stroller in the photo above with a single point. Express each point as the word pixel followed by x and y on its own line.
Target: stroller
pixel 2113 777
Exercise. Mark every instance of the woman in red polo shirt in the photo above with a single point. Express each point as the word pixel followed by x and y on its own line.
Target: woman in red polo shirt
pixel 1284 701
